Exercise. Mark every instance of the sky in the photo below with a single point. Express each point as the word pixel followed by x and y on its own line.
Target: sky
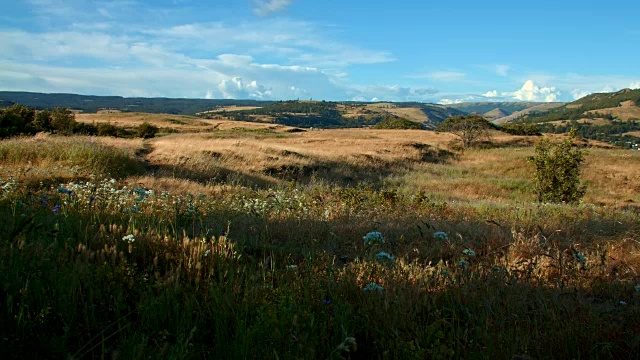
pixel 428 51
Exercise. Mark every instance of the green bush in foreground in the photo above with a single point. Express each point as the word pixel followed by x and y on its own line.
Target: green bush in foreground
pixel 557 176
pixel 147 131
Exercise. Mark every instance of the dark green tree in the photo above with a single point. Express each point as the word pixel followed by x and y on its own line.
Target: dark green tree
pixel 147 131
pixel 557 175
pixel 468 128
pixel 63 120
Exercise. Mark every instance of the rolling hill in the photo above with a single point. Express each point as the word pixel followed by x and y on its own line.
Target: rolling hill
pixel 610 117
pixel 593 106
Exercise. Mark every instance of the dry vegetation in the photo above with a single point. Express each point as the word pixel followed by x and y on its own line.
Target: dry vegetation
pixel 246 241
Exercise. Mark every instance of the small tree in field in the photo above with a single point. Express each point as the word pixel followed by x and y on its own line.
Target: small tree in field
pixel 467 127
pixel 557 176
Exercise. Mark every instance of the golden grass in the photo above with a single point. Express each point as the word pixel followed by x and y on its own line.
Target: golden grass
pixel 132 120
pixel 627 111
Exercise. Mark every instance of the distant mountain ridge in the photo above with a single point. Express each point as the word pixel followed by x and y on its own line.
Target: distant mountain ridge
pixel 294 113
pixel 93 103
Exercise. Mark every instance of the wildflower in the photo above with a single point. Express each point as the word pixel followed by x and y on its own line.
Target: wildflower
pixel 56 209
pixel 373 287
pixel 373 237
pixel 64 190
pixel 292 267
pixel 43 202
pixel 129 238
pixel 580 257
pixel 623 303
pixel 326 302
pixel 463 263
pixel 469 252
pixel 384 257
pixel 140 191
pixel 206 253
pixel 348 345
pixel 440 235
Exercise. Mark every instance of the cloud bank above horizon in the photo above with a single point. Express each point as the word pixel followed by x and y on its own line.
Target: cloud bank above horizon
pixel 259 49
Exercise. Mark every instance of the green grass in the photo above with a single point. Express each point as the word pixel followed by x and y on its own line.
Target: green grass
pixel 287 279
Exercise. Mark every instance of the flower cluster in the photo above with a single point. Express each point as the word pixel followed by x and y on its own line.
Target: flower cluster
pixel 373 287
pixel 469 252
pixel 129 238
pixel 440 235
pixel 385 257
pixel 373 237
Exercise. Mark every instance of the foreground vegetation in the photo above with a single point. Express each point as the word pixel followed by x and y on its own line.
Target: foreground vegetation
pixel 356 244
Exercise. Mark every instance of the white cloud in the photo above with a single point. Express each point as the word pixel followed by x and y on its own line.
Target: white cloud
pixel 235 88
pixel 502 70
pixel 446 76
pixel 493 93
pixel 446 101
pixel 634 85
pixel 392 93
pixel 268 7
pixel 531 92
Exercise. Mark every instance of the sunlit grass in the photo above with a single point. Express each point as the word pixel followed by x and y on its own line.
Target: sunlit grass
pixel 426 259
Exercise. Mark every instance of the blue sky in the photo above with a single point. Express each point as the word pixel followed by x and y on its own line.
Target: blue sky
pixel 442 52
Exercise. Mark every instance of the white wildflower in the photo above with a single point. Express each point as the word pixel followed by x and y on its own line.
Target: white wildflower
pixel 440 235
pixel 373 287
pixel 373 237
pixel 129 238
pixel 385 257
pixel 469 252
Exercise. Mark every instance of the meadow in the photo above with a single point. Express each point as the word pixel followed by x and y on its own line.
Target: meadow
pixel 267 242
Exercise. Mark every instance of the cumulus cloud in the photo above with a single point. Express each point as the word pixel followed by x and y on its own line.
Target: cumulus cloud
pixel 269 7
pixel 531 92
pixel 493 93
pixel 235 88
pixel 635 85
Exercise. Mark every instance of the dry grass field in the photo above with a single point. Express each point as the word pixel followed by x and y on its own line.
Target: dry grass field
pixel 247 240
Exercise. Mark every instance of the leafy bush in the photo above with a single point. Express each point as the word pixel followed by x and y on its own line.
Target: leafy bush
pixel 107 129
pixel 468 128
pixel 557 176
pixel 147 131
pixel 521 129
pixel 397 123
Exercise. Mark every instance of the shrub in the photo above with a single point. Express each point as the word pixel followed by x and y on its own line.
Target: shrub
pixel 63 121
pixel 468 128
pixel 557 176
pixel 521 129
pixel 107 129
pixel 147 131
pixel 397 123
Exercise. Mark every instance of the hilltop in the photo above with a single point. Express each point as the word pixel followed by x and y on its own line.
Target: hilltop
pixel 593 105
pixel 611 117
